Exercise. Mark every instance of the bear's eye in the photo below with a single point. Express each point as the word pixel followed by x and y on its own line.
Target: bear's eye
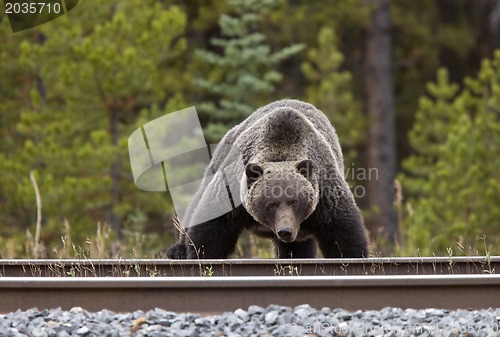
pixel 294 202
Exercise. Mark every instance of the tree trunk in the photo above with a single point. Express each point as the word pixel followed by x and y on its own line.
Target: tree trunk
pixel 494 23
pixel 381 147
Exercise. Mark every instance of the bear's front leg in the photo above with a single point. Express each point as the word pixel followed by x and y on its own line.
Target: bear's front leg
pixel 214 239
pixel 178 251
pixel 343 235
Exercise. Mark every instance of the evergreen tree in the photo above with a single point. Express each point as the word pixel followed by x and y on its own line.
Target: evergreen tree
pixel 88 83
pixel 243 74
pixel 330 89
pixel 458 201
pixel 430 130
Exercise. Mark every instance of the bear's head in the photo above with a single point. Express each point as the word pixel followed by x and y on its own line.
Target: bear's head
pixel 281 195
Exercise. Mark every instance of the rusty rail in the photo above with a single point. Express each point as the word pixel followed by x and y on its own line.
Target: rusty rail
pixel 223 285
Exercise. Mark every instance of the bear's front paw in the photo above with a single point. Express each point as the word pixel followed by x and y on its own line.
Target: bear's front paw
pixel 177 251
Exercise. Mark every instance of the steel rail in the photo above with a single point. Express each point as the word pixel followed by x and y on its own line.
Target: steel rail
pixel 251 267
pixel 217 294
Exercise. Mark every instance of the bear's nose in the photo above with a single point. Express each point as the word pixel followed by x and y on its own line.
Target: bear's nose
pixel 285 234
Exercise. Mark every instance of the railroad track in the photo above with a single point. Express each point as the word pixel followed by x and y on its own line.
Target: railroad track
pixel 250 267
pixel 225 285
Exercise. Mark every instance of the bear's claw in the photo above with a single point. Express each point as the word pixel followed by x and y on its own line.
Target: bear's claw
pixel 177 251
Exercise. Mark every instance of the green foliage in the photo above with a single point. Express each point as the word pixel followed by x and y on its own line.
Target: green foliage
pixel 87 83
pixel 244 74
pixel 330 89
pixel 72 90
pixel 428 36
pixel 430 131
pixel 457 192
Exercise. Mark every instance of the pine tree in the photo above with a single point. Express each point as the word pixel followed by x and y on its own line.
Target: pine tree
pixel 330 89
pixel 243 75
pixel 458 201
pixel 88 84
pixel 428 137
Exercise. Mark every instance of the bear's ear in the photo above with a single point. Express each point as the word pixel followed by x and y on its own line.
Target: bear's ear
pixel 253 172
pixel 306 168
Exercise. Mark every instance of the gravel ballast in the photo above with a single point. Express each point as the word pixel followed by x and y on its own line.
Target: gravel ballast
pixel 254 321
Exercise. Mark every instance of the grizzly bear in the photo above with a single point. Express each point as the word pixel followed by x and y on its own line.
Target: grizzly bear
pixel 286 183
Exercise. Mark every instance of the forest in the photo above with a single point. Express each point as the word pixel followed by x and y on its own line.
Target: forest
pixel 411 87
